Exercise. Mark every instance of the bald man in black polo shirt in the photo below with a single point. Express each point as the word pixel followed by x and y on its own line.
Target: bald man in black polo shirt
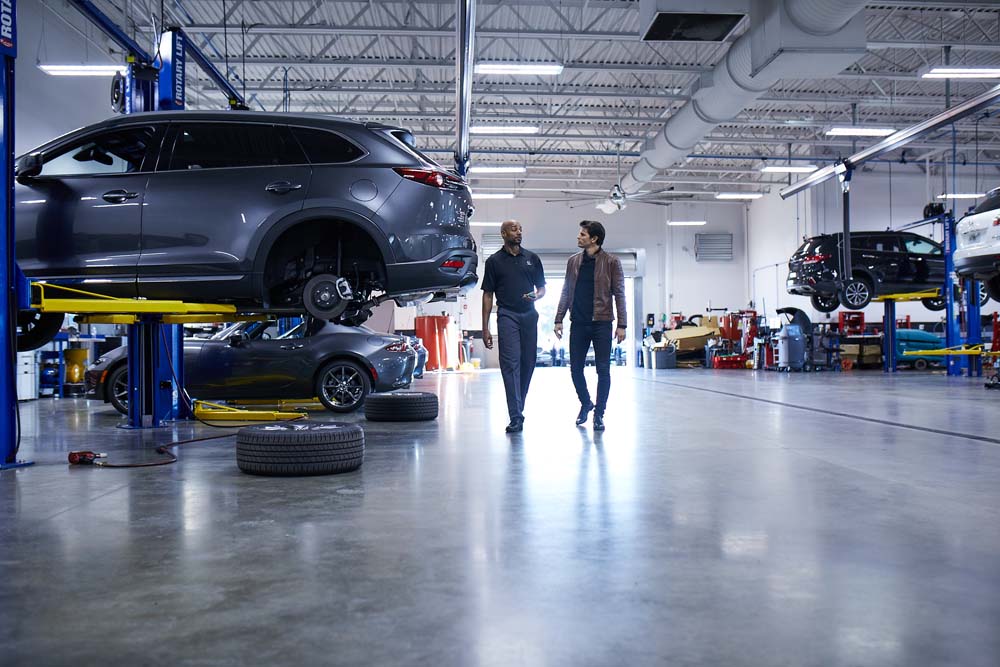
pixel 516 277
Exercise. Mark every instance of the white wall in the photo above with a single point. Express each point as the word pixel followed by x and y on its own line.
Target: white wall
pixel 777 227
pixel 672 280
pixel 47 106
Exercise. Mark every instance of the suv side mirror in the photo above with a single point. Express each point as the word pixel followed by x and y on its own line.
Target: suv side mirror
pixel 28 167
pixel 237 340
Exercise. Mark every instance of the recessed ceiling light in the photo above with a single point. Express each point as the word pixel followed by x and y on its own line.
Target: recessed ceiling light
pixel 860 131
pixel 788 169
pixel 686 223
pixel 961 73
pixel 739 195
pixel 527 69
pixel 504 129
pixel 483 169
pixel 492 195
pixel 960 195
pixel 82 70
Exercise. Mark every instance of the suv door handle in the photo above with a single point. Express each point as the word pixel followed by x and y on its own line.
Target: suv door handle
pixel 118 196
pixel 282 187
pixel 293 347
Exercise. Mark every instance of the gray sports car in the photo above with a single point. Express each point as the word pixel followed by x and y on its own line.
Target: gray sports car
pixel 337 364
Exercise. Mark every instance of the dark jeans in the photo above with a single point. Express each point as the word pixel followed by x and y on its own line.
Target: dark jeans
pixel 517 340
pixel 581 335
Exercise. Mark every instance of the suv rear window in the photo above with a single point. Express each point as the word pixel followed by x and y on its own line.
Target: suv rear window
pixel 405 137
pixel 222 145
pixel 812 246
pixel 991 203
pixel 324 147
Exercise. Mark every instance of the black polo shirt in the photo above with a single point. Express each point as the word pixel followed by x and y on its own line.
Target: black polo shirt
pixel 510 277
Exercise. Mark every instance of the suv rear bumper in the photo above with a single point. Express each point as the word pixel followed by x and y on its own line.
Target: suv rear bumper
pixel 807 288
pixel 977 266
pixel 431 276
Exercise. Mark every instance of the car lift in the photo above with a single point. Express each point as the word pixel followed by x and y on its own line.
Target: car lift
pixel 155 328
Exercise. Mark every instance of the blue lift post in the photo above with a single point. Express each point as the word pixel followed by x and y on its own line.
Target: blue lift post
pixel 8 269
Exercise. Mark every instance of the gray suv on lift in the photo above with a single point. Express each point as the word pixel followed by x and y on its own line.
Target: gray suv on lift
pixel 276 213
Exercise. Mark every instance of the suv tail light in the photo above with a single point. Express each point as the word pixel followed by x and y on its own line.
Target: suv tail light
pixel 433 177
pixel 813 259
pixel 401 346
pixel 453 264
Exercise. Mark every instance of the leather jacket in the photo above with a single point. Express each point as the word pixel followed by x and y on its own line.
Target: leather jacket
pixel 609 284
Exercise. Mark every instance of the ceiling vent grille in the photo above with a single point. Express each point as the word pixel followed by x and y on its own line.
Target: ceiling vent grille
pixel 713 247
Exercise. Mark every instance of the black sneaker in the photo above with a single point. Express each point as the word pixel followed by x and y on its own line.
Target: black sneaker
pixel 581 418
pixel 515 426
pixel 598 422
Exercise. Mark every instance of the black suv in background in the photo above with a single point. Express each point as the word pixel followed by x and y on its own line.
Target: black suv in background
pixel 882 263
pixel 277 213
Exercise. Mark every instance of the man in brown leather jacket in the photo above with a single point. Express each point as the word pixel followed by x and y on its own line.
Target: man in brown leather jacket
pixel 594 279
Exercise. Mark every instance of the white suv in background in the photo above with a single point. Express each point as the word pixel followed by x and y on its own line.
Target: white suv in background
pixel 977 248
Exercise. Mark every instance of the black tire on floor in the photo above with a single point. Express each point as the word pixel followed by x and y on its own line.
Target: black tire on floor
pixel 401 406
pixel 37 329
pixel 117 387
pixel 300 449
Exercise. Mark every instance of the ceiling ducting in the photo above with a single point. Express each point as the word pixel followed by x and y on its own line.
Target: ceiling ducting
pixel 787 39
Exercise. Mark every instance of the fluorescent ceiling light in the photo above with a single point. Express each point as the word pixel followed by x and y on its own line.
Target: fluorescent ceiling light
pixel 859 131
pixel 788 169
pixel 82 70
pixel 686 223
pixel 511 169
pixel 485 224
pixel 538 69
pixel 962 73
pixel 492 195
pixel 960 195
pixel 738 195
pixel 504 129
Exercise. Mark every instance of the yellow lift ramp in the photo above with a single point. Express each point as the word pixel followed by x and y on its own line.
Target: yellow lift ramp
pixel 152 371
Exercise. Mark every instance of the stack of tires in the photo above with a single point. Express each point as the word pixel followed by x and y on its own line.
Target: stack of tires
pixel 298 448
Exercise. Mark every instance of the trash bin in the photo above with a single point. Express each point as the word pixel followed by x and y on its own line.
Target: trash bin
pixel 659 358
pixel 433 330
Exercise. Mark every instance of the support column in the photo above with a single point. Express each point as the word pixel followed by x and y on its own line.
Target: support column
pixel 8 272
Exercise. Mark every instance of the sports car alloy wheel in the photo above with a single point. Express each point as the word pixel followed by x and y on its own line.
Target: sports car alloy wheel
pixel 343 386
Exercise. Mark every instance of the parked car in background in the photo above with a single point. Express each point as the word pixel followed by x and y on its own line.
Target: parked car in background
pixel 977 246
pixel 337 364
pixel 882 263
pixel 274 213
pixel 418 346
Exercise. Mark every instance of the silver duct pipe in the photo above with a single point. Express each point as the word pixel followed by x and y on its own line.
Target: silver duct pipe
pixel 464 64
pixel 733 84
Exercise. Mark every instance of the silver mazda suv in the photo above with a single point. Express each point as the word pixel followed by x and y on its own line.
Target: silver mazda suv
pixel 275 213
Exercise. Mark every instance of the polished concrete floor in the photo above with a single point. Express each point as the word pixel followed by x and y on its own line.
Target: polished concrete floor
pixel 724 518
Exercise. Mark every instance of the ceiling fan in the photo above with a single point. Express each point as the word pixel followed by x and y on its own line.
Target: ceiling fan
pixel 617 198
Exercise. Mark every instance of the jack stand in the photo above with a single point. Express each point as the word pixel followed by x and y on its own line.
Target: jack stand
pixel 8 270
